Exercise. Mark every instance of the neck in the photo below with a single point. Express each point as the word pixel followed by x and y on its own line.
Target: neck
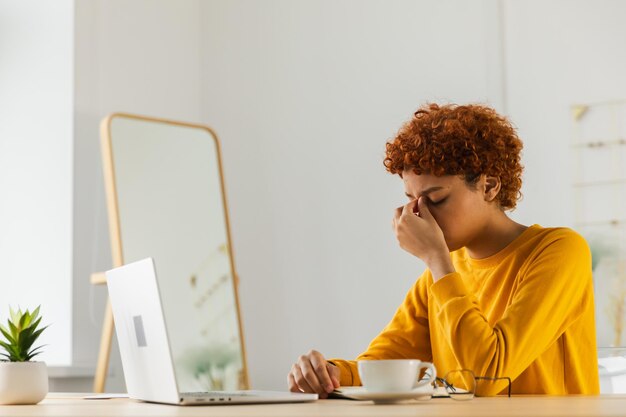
pixel 494 236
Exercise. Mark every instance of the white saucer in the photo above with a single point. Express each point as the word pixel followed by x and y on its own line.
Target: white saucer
pixel 360 393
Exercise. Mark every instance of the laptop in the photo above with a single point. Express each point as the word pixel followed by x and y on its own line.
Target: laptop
pixel 145 348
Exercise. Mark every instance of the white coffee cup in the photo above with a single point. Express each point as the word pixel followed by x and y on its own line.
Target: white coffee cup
pixel 394 375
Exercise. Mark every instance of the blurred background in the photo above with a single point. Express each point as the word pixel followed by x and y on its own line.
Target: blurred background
pixel 303 95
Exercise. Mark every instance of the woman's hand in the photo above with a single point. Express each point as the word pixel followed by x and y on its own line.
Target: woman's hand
pixel 312 373
pixel 419 234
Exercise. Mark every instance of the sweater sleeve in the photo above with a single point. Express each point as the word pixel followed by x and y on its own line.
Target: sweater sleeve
pixel 551 294
pixel 407 335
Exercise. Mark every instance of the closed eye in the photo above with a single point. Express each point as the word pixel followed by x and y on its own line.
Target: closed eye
pixel 439 202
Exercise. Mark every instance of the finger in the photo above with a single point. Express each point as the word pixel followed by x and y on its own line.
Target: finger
pixel 334 373
pixel 302 383
pixel 398 213
pixel 293 386
pixel 310 374
pixel 319 365
pixel 422 204
pixel 410 207
pixel 291 381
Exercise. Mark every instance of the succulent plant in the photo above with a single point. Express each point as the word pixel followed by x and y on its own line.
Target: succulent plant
pixel 20 335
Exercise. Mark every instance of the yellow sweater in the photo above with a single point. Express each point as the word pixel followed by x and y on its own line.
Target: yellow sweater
pixel 526 312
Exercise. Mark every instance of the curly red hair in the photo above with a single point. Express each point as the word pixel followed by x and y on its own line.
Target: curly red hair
pixel 468 141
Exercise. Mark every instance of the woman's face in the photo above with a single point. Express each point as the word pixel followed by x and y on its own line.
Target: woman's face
pixel 461 211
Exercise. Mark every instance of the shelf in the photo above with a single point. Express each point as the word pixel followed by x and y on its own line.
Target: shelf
pixel 596 144
pixel 614 102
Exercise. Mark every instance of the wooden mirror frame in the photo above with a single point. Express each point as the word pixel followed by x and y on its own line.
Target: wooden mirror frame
pixel 116 240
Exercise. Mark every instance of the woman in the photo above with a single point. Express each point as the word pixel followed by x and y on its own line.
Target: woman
pixel 497 297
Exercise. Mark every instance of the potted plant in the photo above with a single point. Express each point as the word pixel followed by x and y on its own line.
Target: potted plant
pixel 22 381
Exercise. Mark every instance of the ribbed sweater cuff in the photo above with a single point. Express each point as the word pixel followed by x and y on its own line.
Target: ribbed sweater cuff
pixel 346 369
pixel 447 288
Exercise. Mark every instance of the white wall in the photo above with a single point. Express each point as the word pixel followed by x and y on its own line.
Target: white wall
pixel 36 133
pixel 304 96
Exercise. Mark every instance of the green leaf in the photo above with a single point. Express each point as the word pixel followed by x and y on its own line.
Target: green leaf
pixel 34 352
pixel 7 335
pixel 14 354
pixel 36 312
pixel 22 323
pixel 9 330
pixel 30 338
pixel 14 332
pixel 4 329
pixel 26 318
pixel 36 323
pixel 38 332
pixel 25 345
pixel 14 316
pixel 26 339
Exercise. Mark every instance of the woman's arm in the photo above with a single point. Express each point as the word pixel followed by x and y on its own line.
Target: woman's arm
pixel 554 289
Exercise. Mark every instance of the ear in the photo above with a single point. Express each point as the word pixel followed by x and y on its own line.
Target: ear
pixel 491 188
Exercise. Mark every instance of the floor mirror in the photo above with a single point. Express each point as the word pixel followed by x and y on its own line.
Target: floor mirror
pixel 166 200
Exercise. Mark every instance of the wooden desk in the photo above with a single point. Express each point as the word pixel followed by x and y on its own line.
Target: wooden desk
pixel 608 405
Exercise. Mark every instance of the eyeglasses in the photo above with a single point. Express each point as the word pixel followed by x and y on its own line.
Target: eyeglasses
pixel 461 384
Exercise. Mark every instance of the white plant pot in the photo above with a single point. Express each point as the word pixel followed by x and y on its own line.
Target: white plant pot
pixel 23 382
